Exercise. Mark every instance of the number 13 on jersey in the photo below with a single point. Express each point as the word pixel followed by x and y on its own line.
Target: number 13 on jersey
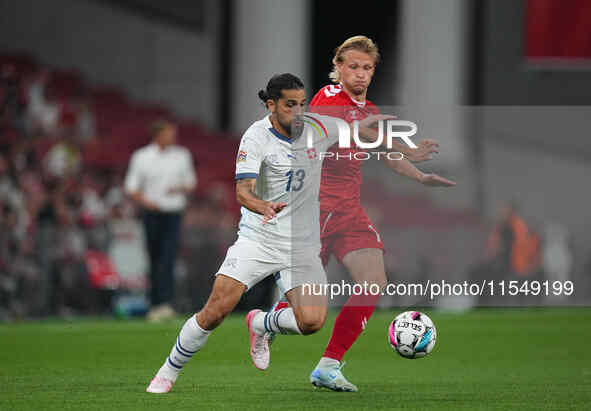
pixel 295 180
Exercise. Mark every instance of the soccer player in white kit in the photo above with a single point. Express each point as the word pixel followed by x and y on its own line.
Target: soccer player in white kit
pixel 277 184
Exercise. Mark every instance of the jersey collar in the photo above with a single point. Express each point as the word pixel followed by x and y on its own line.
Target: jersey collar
pixel 359 104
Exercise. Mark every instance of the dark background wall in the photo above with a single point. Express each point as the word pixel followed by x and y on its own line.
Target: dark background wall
pixel 538 156
pixel 154 58
pixel 507 76
pixel 332 25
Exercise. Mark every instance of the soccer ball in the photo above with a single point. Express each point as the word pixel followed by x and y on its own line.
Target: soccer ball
pixel 412 334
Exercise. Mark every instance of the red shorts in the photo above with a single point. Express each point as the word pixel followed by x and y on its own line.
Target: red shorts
pixel 343 232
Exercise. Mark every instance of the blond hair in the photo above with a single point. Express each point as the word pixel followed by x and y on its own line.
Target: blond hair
pixel 359 43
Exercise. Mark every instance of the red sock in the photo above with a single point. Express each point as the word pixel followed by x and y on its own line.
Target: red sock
pixel 349 324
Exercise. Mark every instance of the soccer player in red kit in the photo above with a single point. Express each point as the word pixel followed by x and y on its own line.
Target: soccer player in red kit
pixel 345 229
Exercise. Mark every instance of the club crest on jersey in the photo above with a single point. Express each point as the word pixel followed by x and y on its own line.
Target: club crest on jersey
pixel 332 90
pixel 241 156
pixel 353 114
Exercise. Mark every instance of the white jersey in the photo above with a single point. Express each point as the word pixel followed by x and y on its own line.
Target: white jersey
pixel 287 170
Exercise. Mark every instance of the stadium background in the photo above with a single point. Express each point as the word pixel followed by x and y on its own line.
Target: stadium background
pixel 495 95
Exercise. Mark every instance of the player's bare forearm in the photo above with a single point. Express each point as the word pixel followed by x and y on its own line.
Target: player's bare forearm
pixel 403 167
pixel 423 152
pixel 407 169
pixel 370 135
pixel 247 198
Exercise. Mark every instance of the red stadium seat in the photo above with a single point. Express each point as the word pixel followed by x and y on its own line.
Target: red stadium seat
pixel 9 136
pixel 108 96
pixel 67 83
pixel 23 63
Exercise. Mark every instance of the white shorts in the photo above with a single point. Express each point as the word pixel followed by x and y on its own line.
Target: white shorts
pixel 250 261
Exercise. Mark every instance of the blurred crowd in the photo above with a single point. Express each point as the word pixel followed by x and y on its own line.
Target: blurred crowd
pixel 69 238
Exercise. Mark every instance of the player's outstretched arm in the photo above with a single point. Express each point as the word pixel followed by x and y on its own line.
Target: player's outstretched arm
pixel 407 169
pixel 424 151
pixel 247 198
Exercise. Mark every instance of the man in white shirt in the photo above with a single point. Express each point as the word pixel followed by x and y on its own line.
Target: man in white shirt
pixel 159 178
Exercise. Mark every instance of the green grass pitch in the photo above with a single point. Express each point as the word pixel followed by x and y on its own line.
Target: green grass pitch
pixel 502 359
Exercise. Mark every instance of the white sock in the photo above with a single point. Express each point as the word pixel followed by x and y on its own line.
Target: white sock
pixel 326 362
pixel 190 340
pixel 282 321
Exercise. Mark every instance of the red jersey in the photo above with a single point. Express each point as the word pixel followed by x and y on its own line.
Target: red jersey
pixel 340 187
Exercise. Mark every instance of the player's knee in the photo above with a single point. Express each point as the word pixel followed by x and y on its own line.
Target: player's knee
pixel 309 324
pixel 375 282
